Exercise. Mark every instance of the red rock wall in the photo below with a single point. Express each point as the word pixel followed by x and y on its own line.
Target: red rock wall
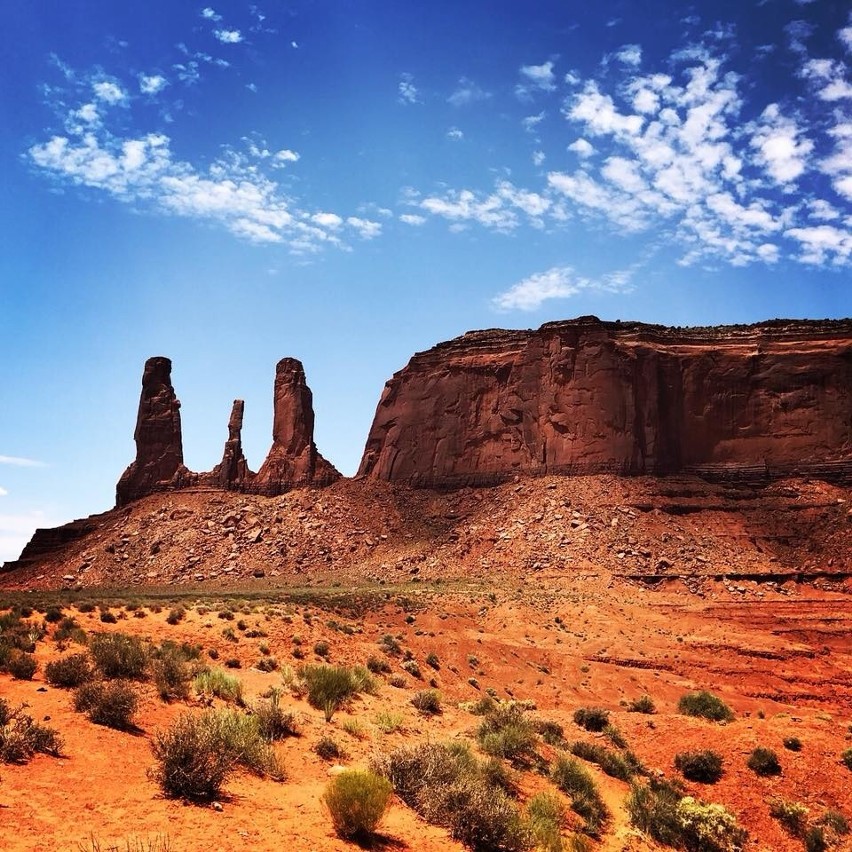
pixel 585 396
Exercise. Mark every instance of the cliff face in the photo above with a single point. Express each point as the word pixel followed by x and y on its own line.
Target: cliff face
pixel 293 459
pixel 586 397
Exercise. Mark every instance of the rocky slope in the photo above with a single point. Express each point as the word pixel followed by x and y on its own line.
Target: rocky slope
pixel 588 397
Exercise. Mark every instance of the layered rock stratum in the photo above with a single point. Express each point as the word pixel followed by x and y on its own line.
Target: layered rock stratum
pixel 583 396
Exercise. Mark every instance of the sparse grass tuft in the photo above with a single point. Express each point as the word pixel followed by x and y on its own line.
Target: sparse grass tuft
pixel 21 736
pixel 573 779
pixel 217 683
pixel 643 704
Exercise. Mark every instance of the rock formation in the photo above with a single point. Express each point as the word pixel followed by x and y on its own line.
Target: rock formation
pixel 159 446
pixel 587 397
pixel 293 460
pixel 232 473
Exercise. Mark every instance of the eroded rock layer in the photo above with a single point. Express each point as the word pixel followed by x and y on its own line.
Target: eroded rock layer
pixel 587 397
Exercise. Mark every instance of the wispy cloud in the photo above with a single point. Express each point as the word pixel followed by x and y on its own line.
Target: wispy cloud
pixel 152 84
pixel 408 93
pixel 17 461
pixel 3 492
pixel 454 134
pixel 670 151
pixel 228 36
pixel 239 190
pixel 467 92
pixel 535 78
pixel 560 282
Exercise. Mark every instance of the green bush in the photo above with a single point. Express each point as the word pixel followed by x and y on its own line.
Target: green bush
pixel 432 661
pixel 661 811
pixel 792 815
pixel 814 839
pixel 835 822
pixel 706 706
pixel 378 666
pixel 322 648
pixel 191 763
pixel 551 732
pixel 53 614
pixel 792 744
pixel 21 736
pixel 357 800
pixel 21 666
pixel 328 749
pixel 217 683
pixel 109 703
pixel 592 718
pixel 446 785
pixel 573 779
pixel 643 704
pixel 545 817
pixel 69 630
pixel 118 655
pixel 68 671
pixel 274 723
pixel 170 668
pixel 507 732
pixel 328 687
pixel 615 736
pixel 427 701
pixel 621 766
pixel 176 615
pixel 764 761
pixel 702 766
pixel 199 751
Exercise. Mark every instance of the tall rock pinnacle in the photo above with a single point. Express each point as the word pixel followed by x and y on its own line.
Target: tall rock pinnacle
pixel 232 473
pixel 159 446
pixel 293 459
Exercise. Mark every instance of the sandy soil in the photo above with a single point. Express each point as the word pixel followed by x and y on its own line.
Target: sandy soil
pixel 782 661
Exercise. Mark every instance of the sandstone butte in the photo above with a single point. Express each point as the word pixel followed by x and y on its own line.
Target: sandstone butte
pixel 587 397
pixel 747 404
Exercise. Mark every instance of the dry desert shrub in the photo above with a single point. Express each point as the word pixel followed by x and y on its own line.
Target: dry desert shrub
pixel 69 672
pixel 356 800
pixel 21 736
pixel 109 703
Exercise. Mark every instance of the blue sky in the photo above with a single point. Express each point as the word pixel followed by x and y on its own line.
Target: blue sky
pixel 350 182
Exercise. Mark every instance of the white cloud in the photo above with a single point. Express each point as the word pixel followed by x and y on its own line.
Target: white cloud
pixel 823 244
pixel 18 461
pixel 408 93
pixel 88 112
pixel 327 220
pixel 630 54
pixel 845 37
pixel 780 148
pixel 109 92
pixel 228 36
pixel 829 77
pixel 454 134
pixel 150 85
pixel 536 78
pixel 538 157
pixel 530 122
pixel 3 492
pixel 210 14
pixel 285 155
pixel 467 92
pixel 366 228
pixel 582 148
pixel 412 219
pixel 560 282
